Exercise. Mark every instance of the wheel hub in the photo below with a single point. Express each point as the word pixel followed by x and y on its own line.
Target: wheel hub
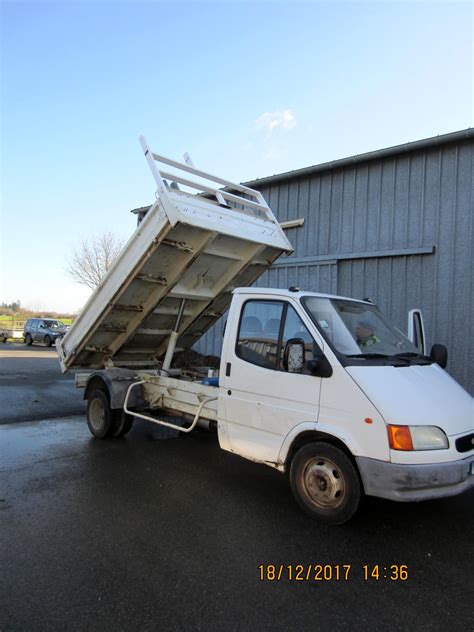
pixel 97 414
pixel 324 483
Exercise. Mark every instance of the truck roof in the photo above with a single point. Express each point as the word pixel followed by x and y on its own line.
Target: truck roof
pixel 185 258
pixel 294 293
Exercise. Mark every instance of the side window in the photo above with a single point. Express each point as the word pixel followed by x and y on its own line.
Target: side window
pixel 259 328
pixel 34 324
pixel 295 328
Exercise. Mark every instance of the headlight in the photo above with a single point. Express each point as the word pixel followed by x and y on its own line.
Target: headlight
pixel 417 438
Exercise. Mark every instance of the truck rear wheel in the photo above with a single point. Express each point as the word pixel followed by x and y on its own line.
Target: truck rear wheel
pixel 325 483
pixel 100 417
pixel 123 423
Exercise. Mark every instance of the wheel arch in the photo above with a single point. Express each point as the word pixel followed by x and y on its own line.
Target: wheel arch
pixel 97 381
pixel 115 383
pixel 312 435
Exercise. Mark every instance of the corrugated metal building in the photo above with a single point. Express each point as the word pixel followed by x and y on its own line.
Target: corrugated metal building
pixel 394 225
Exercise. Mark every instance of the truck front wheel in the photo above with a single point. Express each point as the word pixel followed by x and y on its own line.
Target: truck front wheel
pixel 100 418
pixel 325 483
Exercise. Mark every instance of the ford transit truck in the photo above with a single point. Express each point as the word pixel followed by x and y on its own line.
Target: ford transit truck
pixel 321 387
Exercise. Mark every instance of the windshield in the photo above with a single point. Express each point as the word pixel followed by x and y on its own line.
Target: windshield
pixel 53 324
pixel 358 330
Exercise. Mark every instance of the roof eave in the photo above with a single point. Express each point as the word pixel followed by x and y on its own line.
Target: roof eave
pixel 425 143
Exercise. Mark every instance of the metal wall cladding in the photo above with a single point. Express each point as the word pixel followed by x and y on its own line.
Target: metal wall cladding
pixel 398 230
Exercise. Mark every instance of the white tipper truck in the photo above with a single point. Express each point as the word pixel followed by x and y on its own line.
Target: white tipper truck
pixel 322 387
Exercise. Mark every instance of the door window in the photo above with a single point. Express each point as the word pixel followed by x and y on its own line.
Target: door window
pixel 259 329
pixel 265 328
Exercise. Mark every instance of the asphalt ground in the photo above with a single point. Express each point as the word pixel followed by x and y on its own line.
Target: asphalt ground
pixel 32 386
pixel 145 534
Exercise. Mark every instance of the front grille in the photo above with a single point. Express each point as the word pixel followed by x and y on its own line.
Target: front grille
pixel 464 444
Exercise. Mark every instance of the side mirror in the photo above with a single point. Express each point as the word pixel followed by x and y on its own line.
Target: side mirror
pixel 294 360
pixel 439 354
pixel 293 355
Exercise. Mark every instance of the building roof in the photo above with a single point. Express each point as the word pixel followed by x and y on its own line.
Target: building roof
pixel 426 143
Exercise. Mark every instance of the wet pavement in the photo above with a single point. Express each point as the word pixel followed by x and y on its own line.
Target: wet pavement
pixel 32 385
pixel 140 534
pixel 146 534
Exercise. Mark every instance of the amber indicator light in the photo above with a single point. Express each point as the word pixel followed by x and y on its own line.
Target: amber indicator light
pixel 368 420
pixel 399 438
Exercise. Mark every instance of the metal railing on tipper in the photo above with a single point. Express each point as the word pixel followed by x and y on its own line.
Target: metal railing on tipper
pixel 251 201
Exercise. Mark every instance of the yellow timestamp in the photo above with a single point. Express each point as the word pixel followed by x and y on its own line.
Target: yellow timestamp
pixel 332 572
pixel 393 572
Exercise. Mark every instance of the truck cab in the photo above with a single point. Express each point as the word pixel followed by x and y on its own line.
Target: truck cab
pixel 303 372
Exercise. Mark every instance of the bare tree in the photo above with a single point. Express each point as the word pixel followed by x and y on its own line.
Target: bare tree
pixel 90 261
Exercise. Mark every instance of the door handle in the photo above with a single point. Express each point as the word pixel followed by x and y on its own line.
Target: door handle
pixel 227 369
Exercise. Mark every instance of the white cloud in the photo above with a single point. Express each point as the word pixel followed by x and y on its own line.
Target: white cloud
pixel 271 121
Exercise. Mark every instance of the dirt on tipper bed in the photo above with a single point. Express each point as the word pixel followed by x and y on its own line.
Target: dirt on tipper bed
pixel 189 359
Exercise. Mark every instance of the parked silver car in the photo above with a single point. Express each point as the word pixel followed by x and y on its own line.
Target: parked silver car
pixel 45 330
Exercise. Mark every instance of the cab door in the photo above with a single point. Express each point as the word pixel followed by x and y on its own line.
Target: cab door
pixel 263 399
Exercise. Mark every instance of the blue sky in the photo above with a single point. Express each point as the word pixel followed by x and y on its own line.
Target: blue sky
pixel 247 88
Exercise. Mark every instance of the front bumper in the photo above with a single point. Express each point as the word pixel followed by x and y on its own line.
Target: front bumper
pixel 416 482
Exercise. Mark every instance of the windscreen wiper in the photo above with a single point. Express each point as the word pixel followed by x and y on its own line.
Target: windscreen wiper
pixel 369 355
pixel 375 356
pixel 411 355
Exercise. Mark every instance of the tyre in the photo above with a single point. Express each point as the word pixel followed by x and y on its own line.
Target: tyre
pixel 325 483
pixel 100 418
pixel 28 339
pixel 123 423
pixel 47 341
